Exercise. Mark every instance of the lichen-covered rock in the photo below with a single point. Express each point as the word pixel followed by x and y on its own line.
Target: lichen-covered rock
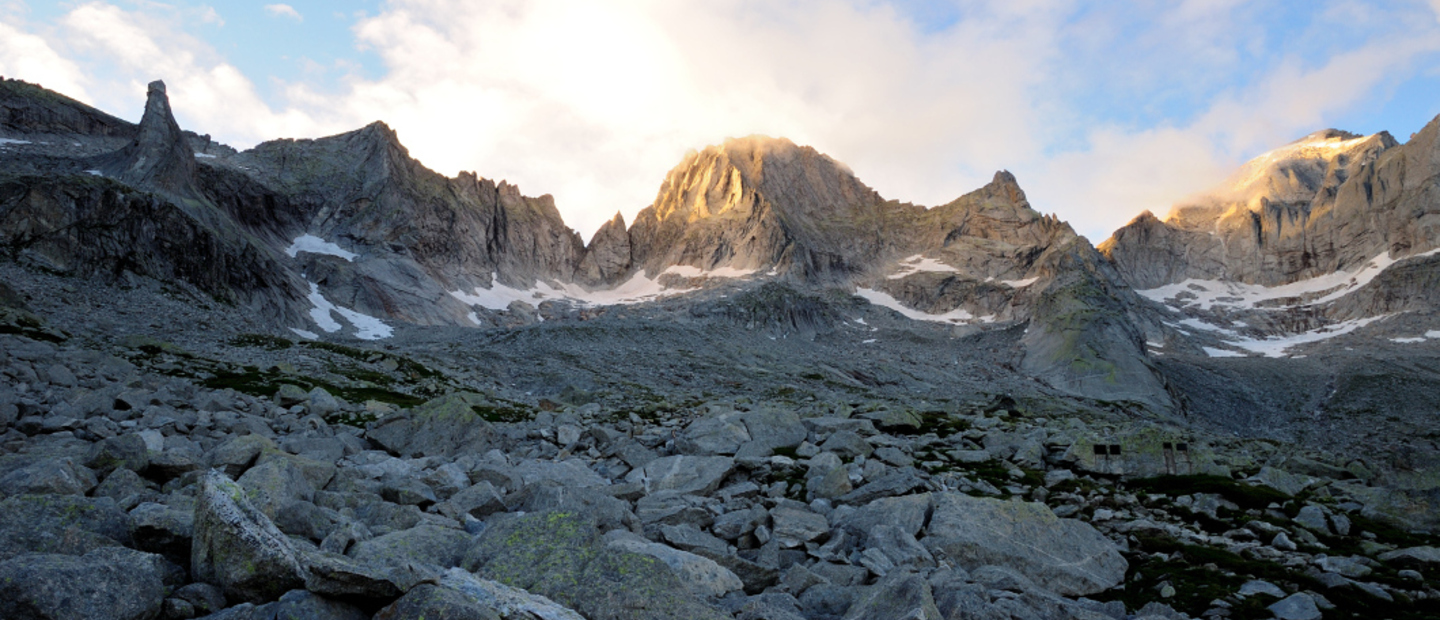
pixel 1065 556
pixel 703 576
pixel 111 583
pixel 899 595
pixel 66 524
pixel 236 546
pixel 161 529
pixel 52 476
pixel 126 451
pixel 560 555
pixel 459 595
pixel 274 483
pixel 445 426
pixel 236 455
pixel 699 475
pixel 424 544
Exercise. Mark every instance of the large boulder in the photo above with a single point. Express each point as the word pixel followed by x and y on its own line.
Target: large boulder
pixel 1065 556
pixel 49 476
pixel 697 475
pixel 459 595
pixel 275 483
pixel 708 436
pixel 560 555
pixel 111 583
pixel 424 544
pixel 66 524
pixel 702 575
pixel 162 529
pixel 446 426
pixel 236 546
pixel 237 455
pixel 900 595
pixel 124 451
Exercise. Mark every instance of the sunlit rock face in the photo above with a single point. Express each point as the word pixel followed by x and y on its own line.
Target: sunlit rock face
pixel 1328 202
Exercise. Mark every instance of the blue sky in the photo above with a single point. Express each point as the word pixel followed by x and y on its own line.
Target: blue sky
pixel 1101 109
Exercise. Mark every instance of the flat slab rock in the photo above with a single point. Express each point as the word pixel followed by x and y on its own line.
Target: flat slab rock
pixel 1065 556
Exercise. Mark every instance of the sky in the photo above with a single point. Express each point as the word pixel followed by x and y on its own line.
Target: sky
pixel 1100 109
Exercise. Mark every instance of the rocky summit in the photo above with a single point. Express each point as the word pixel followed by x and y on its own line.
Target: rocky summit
pixel 315 379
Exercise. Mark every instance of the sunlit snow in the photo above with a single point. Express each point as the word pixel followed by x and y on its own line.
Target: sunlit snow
pixel 205 155
pixel 918 263
pixel 958 315
pixel 96 173
pixel 1433 333
pixel 1020 283
pixel 1407 340
pixel 8 141
pixel 686 271
pixel 315 245
pixel 1329 287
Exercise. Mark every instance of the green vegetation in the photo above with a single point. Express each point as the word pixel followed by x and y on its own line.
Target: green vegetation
pixel 1201 574
pixel 1243 495
pixel 505 411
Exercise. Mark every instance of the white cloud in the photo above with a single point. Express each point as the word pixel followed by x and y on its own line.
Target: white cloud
pixel 284 10
pixel 29 57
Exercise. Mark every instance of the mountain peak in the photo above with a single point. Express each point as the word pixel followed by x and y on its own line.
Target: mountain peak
pixel 159 158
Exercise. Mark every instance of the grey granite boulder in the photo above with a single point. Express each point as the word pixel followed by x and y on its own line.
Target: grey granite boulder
pixel 445 426
pixel 104 584
pixel 49 476
pixel 900 595
pixel 459 595
pixel 1065 556
pixel 701 575
pixel 161 529
pixel 708 436
pixel 67 524
pixel 560 555
pixel 236 546
pixel 699 475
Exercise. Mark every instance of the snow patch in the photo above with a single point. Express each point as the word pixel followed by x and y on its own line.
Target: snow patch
pixel 1222 352
pixel 1201 325
pixel 860 321
pixel 869 341
pixel 1020 283
pixel 306 334
pixel 1407 340
pixel 686 271
pixel 1433 333
pixel 474 318
pixel 9 141
pixel 96 173
pixel 636 290
pixel 919 263
pixel 366 327
pixel 958 315
pixel 315 245
pixel 1276 347
pixel 1311 292
pixel 205 155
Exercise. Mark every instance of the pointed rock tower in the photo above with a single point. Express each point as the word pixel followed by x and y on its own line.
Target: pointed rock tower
pixel 159 159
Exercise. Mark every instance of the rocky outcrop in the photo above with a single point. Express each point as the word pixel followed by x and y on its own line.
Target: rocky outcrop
pixel 1065 556
pixel 159 158
pixel 607 258
pixel 1328 202
pixel 29 108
